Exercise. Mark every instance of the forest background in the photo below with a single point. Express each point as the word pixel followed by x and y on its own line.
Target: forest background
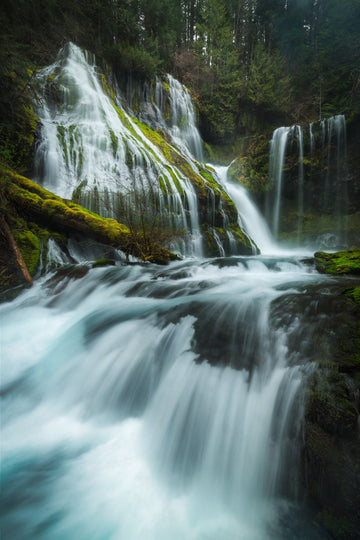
pixel 250 64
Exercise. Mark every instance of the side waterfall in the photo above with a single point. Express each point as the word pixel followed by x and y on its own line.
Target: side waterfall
pixel 276 166
pixel 327 139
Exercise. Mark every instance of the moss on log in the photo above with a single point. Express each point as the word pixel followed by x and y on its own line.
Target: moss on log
pixel 50 211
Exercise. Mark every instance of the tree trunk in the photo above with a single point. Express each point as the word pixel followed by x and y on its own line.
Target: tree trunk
pixel 19 258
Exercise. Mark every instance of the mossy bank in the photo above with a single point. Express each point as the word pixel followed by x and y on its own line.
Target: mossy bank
pixel 34 215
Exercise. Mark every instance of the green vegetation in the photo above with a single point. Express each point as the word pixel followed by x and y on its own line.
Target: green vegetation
pixel 203 183
pixel 103 262
pixel 33 214
pixel 341 262
pixel 249 63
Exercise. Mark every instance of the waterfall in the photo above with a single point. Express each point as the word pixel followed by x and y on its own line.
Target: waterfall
pixel 277 156
pixel 312 138
pixel 338 128
pixel 329 195
pixel 177 116
pixel 93 150
pixel 300 203
pixel 334 179
pixel 250 218
pixel 156 405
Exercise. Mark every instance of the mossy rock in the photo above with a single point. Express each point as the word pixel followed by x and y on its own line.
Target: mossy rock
pixel 341 262
pixel 329 403
pixel 202 183
pixel 251 167
pixel 332 474
pixel 354 293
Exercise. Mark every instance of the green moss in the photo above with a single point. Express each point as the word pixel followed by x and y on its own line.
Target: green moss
pixel 29 246
pixel 103 262
pixel 353 293
pixel 128 156
pixel 61 132
pixel 114 141
pixel 106 87
pixel 341 262
pixel 251 167
pixel 67 216
pixel 78 191
pixel 135 103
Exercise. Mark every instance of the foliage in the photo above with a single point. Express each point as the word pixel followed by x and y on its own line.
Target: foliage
pixel 42 206
pixel 268 86
pixel 299 58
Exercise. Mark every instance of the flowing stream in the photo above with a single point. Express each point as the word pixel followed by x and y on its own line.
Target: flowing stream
pixel 154 403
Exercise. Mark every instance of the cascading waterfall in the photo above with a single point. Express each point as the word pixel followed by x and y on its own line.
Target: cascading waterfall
pixel 327 138
pixel 182 118
pixel 250 218
pixel 168 106
pixel 128 418
pixel 157 404
pixel 341 203
pixel 277 156
pixel 91 148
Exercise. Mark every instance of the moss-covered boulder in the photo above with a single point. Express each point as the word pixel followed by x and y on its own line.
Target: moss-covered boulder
pixel 341 262
pixel 213 202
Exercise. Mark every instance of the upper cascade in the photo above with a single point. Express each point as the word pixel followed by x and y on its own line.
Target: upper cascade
pixel 92 148
pixel 178 112
pixel 166 105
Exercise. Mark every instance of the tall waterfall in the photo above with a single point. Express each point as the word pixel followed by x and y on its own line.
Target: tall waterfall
pixel 92 148
pixel 300 202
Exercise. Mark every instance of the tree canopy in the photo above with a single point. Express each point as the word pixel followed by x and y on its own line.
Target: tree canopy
pixel 294 58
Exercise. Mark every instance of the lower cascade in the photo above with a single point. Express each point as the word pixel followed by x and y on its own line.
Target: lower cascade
pixel 127 418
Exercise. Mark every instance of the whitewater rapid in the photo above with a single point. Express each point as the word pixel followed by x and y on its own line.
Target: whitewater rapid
pixel 143 402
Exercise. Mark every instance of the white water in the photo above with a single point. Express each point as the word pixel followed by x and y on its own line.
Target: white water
pixel 116 427
pixel 175 112
pixel 276 165
pixel 250 219
pixel 333 184
pixel 300 201
pixel 89 145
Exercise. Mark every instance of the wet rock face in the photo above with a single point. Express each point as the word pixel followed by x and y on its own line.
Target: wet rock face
pixel 323 325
